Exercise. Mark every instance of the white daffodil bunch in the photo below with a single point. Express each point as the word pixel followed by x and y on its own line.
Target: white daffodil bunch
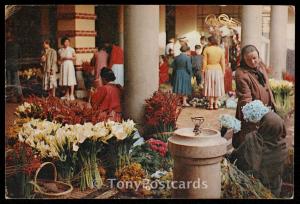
pixel 23 109
pixel 118 131
pixel 27 110
pixel 76 144
pixel 39 134
pixel 100 131
pixel 129 126
pixel 55 136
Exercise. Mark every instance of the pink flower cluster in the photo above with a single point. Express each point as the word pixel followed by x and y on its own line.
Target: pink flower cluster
pixel 158 146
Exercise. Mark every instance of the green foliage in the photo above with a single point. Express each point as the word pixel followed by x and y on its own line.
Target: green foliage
pixel 150 160
pixel 115 154
pixel 163 136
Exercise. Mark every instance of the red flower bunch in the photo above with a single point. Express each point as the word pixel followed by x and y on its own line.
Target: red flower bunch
pixel 70 112
pixel 162 110
pixel 158 146
pixel 21 158
pixel 86 67
pixel 288 77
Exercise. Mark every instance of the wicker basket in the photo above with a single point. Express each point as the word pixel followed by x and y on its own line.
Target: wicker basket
pixel 43 187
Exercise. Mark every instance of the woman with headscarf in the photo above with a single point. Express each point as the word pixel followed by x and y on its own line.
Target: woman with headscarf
pixel 264 151
pixel 252 83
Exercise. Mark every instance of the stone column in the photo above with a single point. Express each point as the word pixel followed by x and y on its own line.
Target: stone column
pixel 252 26
pixel 278 45
pixel 78 22
pixel 141 54
pixel 162 29
pixel 121 26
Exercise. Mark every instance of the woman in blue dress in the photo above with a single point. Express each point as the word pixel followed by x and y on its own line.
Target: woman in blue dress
pixel 182 73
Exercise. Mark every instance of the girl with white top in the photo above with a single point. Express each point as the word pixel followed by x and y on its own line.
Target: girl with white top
pixel 67 71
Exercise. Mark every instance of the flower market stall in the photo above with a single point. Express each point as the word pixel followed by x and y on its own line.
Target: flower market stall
pixel 96 152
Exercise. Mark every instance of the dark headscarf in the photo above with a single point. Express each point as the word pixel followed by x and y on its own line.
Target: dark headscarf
pixel 255 71
pixel 264 151
pixel 107 74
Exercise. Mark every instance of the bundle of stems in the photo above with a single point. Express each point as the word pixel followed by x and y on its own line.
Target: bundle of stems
pixel 236 184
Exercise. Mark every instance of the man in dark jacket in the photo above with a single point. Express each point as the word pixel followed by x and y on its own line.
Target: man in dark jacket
pixel 197 64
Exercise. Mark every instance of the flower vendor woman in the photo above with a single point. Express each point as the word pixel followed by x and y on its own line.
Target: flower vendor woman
pixel 263 151
pixel 107 97
pixel 251 83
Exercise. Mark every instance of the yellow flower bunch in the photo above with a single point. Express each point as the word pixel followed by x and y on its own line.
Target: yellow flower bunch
pixel 134 173
pixel 281 86
pixel 14 129
pixel 167 177
pixel 283 92
pixel 31 72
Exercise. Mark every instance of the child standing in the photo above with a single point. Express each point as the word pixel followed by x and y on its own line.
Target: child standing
pixel 67 70
pixel 49 63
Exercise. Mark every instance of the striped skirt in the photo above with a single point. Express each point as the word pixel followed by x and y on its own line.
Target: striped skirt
pixel 214 83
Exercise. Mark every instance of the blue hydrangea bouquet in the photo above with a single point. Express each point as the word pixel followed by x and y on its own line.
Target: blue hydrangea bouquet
pixel 230 122
pixel 254 111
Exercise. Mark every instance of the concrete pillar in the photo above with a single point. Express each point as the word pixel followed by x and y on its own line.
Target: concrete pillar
pixel 78 22
pixel 121 26
pixel 186 24
pixel 252 26
pixel 141 54
pixel 162 29
pixel 278 45
pixel 45 28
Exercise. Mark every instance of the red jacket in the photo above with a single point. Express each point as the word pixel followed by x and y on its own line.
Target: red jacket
pixel 163 73
pixel 116 56
pixel 107 98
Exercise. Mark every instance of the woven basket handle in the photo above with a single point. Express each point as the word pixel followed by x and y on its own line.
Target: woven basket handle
pixel 42 165
pixel 36 186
